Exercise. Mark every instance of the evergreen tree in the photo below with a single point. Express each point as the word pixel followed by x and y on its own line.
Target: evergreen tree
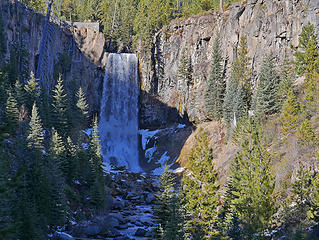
pixel 12 111
pixel 36 136
pixel 200 187
pixel 216 84
pixel 267 91
pixel 287 76
pixel 307 60
pixel 32 90
pixel 306 134
pixel 229 105
pixel 290 113
pixel 241 71
pixel 58 152
pixel 185 71
pixel 60 121
pixel 253 184
pixel 83 107
pixel 97 173
pixel 167 210
pixel 19 93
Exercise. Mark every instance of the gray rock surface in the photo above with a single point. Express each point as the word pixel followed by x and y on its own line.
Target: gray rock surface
pixel 84 46
pixel 269 25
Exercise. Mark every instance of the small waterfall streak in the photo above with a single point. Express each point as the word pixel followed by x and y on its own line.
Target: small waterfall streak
pixel 118 125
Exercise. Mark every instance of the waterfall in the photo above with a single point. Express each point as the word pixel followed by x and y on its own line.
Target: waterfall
pixel 118 125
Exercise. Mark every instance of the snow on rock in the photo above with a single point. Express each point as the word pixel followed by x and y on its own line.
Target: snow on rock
pixel 146 136
pixel 164 159
pixel 149 153
pixel 181 125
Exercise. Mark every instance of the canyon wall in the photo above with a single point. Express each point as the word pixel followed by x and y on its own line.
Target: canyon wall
pixel 77 52
pixel 268 25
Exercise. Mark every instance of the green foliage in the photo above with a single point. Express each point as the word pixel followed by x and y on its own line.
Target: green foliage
pixel 290 114
pixel 32 89
pixel 287 76
pixel 82 107
pixel 168 213
pixel 37 5
pixel 60 120
pixel 12 111
pixel 267 91
pixel 185 71
pixel 252 184
pixel 200 186
pixel 229 105
pixel 306 134
pixel 35 135
pixel 216 84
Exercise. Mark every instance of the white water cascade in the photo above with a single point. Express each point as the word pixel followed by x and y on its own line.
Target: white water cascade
pixel 118 125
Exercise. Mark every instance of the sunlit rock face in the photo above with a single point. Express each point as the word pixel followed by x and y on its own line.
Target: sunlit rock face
pixel 119 112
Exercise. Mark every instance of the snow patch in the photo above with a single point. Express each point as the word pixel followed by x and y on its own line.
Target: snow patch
pixel 179 170
pixel 149 153
pixel 146 136
pixel 164 159
pixel 181 125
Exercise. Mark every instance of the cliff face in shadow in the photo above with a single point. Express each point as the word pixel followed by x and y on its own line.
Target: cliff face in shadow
pixel 76 53
pixel 267 25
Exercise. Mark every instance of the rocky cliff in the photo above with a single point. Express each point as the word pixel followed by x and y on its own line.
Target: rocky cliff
pixel 269 25
pixel 76 52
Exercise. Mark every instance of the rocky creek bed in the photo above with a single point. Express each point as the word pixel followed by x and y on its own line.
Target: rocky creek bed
pixel 129 210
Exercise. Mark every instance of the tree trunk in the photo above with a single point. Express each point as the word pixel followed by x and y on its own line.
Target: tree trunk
pixel 221 5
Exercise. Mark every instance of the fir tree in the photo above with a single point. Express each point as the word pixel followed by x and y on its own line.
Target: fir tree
pixel 267 91
pixel 216 86
pixel 58 152
pixel 60 121
pixel 35 137
pixel 287 76
pixel 12 111
pixel 307 60
pixel 97 172
pixel 167 210
pixel 32 90
pixel 306 134
pixel 241 71
pixel 184 71
pixel 290 113
pixel 253 184
pixel 200 188
pixel 82 106
pixel 19 93
pixel 229 105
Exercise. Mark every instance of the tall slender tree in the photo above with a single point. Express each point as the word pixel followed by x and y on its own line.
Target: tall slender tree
pixel 36 136
pixel 216 83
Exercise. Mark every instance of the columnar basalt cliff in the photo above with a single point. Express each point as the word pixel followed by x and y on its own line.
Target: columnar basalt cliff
pixel 76 52
pixel 268 26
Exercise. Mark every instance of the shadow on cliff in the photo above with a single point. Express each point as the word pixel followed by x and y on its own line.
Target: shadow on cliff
pixel 164 147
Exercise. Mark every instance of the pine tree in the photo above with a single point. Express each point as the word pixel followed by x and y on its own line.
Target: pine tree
pixel 185 71
pixel 267 91
pixel 216 86
pixel 229 105
pixel 73 163
pixel 58 152
pixel 82 107
pixel 60 121
pixel 12 111
pixel 287 76
pixel 307 60
pixel 306 134
pixel 290 113
pixel 241 71
pixel 97 173
pixel 32 90
pixel 253 184
pixel 167 210
pixel 19 93
pixel 200 188
pixel 36 136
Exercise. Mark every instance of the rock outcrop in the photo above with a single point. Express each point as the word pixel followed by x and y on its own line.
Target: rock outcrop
pixel 76 52
pixel 269 25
